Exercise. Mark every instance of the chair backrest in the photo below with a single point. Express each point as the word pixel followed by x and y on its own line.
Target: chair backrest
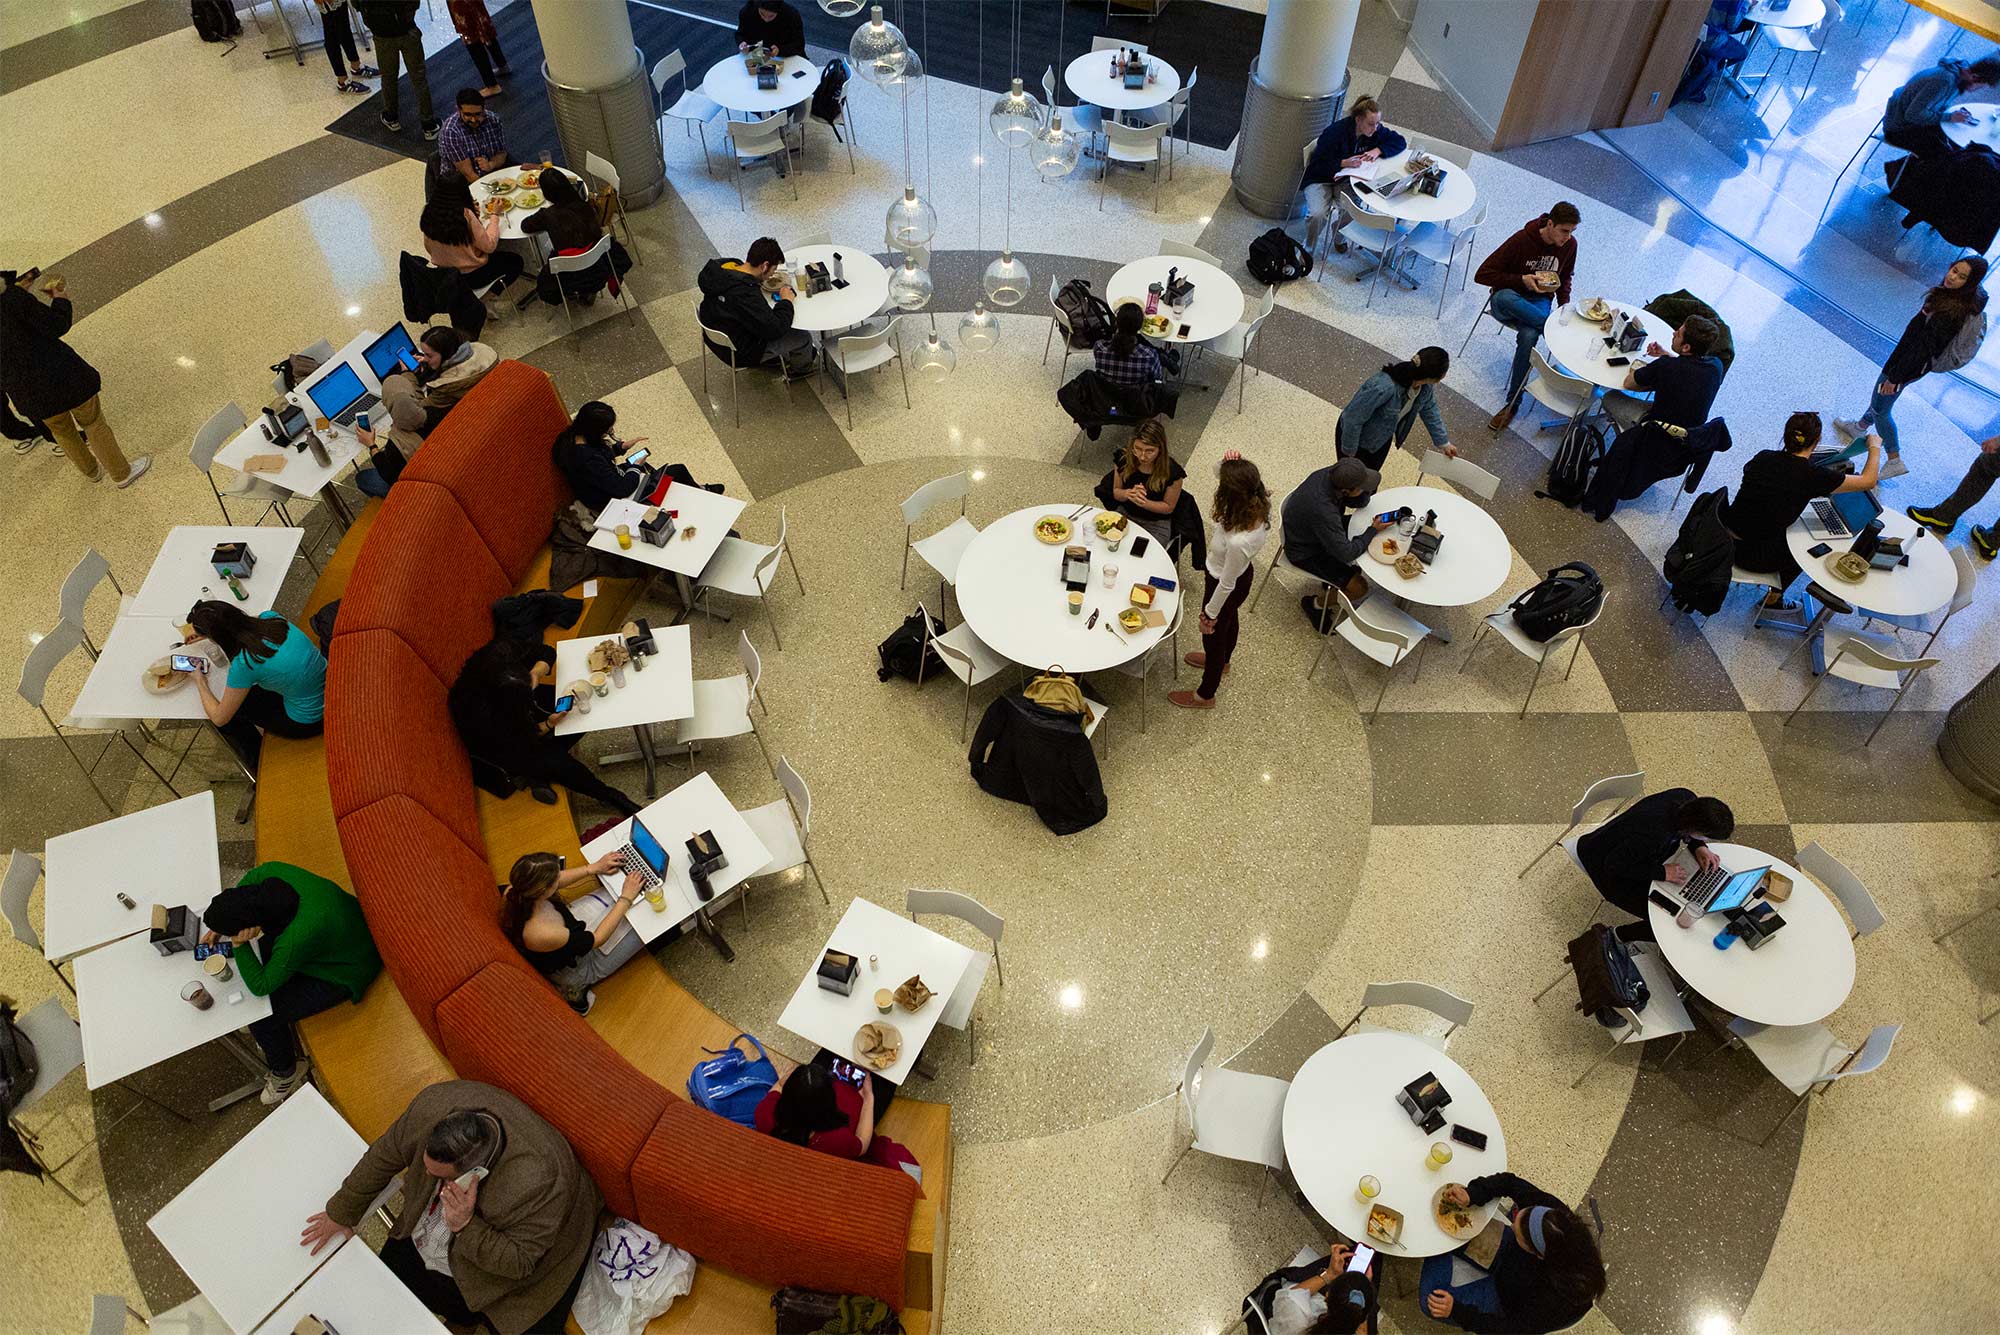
pixel 816 239
pixel 1136 138
pixel 713 335
pixel 1467 226
pixel 107 1314
pixel 951 488
pixel 758 136
pixel 63 640
pixel 1848 888
pixel 1968 580
pixel 848 344
pixel 573 263
pixel 1193 74
pixel 1868 655
pixel 1197 1062
pixel 1381 634
pixel 23 870
pixel 1062 320
pixel 1568 633
pixel 1619 788
pixel 1465 473
pixel 91 571
pixel 601 169
pixel 795 788
pixel 1267 305
pixel 949 652
pixel 1569 384
pixel 753 666
pixel 1873 1052
pixel 1191 252
pixel 1114 44
pixel 216 432
pixel 673 63
pixel 1455 154
pixel 1362 212
pixel 952 904
pixel 770 559
pixel 1455 1010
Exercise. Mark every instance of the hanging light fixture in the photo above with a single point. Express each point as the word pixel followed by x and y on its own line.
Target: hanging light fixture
pixel 906 82
pixel 979 328
pixel 912 221
pixel 1055 149
pixel 841 9
pixel 878 51
pixel 1006 280
pixel 934 360
pixel 1015 116
pixel 910 287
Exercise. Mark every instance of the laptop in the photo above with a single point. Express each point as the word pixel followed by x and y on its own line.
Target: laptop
pixel 1713 890
pixel 394 351
pixel 1841 515
pixel 340 395
pixel 644 855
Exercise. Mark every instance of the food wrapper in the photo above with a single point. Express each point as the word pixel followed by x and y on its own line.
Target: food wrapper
pixel 912 995
pixel 877 1046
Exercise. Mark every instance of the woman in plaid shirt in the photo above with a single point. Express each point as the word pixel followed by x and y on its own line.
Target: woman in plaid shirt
pixel 1125 358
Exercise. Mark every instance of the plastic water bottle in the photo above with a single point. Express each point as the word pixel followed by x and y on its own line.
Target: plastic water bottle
pixel 838 274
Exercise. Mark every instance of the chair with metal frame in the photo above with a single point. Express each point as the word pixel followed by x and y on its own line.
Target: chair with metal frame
pixel 1504 627
pixel 1862 659
pixel 722 705
pixel 1873 141
pixel 1232 1114
pixel 608 174
pixel 1377 234
pixel 1454 1010
pixel 965 656
pixel 219 430
pixel 1793 43
pixel 958 1014
pixel 867 352
pixel 693 109
pixel 558 265
pixel 1845 886
pixel 24 870
pixel 746 569
pixel 755 140
pixel 1135 146
pixel 1142 666
pixel 1059 320
pixel 1386 635
pixel 1665 1016
pixel 1238 341
pixel 785 828
pixel 1961 598
pixel 77 587
pixel 1620 788
pixel 1808 1059
pixel 717 339
pixel 944 549
pixel 1441 244
pixel 41 662
pixel 1459 471
pixel 1082 118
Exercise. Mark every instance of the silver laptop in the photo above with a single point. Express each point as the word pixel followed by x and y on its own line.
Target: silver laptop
pixel 644 855
pixel 1841 515
pixel 341 395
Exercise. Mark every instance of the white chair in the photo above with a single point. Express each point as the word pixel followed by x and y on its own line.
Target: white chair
pixel 965 656
pixel 1142 666
pixel 1793 43
pixel 1172 115
pixel 958 1011
pixel 722 705
pixel 692 109
pixel 1665 1016
pixel 1805 1058
pixel 24 870
pixel 867 352
pixel 1232 1114
pixel 1565 394
pixel 1502 624
pixel 1058 320
pixel 1460 472
pixel 721 340
pixel 1238 341
pixel 1961 598
pixel 1386 634
pixel 942 550
pixel 785 828
pixel 1442 245
pixel 58 1043
pixel 219 430
pixel 562 264
pixel 1375 233
pixel 1458 155
pixel 40 664
pixel 745 570
pixel 1619 788
pixel 77 587
pixel 812 239
pixel 1868 145
pixel 1865 660
pixel 1278 561
pixel 1181 248
pixel 608 174
pixel 753 141
pixel 1452 1009
pixel 1137 145
pixel 1083 118
pixel 1849 889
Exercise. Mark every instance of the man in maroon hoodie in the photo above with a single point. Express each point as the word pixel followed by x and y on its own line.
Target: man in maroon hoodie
pixel 1530 267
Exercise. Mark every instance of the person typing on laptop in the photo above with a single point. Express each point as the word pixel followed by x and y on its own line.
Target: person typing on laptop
pixel 573 944
pixel 1626 854
pixel 1776 488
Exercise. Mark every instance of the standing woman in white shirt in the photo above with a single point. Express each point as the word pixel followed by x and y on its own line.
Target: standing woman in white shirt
pixel 1242 513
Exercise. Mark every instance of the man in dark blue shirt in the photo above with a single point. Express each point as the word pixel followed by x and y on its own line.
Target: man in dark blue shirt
pixel 1683 385
pixel 1358 137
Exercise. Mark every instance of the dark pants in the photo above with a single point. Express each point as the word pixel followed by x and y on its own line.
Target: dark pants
pixel 262 711
pixel 551 762
pixel 339 38
pixel 295 998
pixel 1768 556
pixel 486 55
pixel 468 312
pixel 1979 479
pixel 1926 141
pixel 407 49
pixel 1220 644
pixel 440 1292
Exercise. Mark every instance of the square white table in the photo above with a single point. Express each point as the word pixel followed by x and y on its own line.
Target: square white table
pixel 711 513
pixel 355 1294
pixel 235 1229
pixel 302 475
pixel 113 690
pixel 162 855
pixel 659 693
pixel 128 999
pixel 904 948
pixel 697 805
pixel 182 570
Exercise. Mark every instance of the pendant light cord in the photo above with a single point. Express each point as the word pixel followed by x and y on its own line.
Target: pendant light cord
pixel 979 154
pixel 908 178
pixel 1062 21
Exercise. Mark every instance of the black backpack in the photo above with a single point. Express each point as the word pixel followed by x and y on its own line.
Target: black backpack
pixel 215 20
pixel 1088 314
pixel 1628 985
pixel 905 649
pixel 826 97
pixel 18 1066
pixel 1581 450
pixel 1276 258
pixel 1570 596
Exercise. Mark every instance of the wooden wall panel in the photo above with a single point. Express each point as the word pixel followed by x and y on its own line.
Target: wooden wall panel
pixel 1673 43
pixel 1591 64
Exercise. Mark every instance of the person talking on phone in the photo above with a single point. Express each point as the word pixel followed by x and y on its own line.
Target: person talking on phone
pixel 276 680
pixel 498 1215
pixel 573 944
pixel 832 1105
pixel 1626 854
pixel 1526 272
pixel 1327 1297
pixel 1544 1277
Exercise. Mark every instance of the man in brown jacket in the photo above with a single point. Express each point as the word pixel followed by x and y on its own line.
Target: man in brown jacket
pixel 509 1245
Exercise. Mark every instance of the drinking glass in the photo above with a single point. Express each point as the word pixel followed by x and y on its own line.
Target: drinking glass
pixel 1110 573
pixel 656 898
pixel 548 158
pixel 1367 1189
pixel 1439 1156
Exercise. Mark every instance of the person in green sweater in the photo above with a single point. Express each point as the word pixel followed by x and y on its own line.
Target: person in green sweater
pixel 300 940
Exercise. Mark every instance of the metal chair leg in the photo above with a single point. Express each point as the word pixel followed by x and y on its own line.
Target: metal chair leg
pixel 1539 662
pixel 1552 986
pixel 1953 931
pixel 1176 1163
pixel 1615 1045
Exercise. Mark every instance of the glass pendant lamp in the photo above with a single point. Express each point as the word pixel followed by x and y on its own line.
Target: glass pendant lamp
pixel 878 51
pixel 979 328
pixel 908 80
pixel 1015 116
pixel 934 360
pixel 1056 148
pixel 1006 280
pixel 910 287
pixel 911 221
pixel 841 9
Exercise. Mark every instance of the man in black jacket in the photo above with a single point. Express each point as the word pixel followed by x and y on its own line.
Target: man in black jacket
pixel 394 23
pixel 733 303
pixel 771 23
pixel 1626 854
pixel 49 383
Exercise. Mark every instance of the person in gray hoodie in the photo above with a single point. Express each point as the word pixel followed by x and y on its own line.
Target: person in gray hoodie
pixel 1385 409
pixel 1916 112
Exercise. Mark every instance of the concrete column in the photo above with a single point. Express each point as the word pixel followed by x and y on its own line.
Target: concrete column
pixel 600 94
pixel 1297 87
pixel 1970 739
pixel 586 43
pixel 1305 46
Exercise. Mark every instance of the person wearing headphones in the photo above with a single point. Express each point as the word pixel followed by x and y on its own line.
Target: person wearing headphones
pixel 1545 1276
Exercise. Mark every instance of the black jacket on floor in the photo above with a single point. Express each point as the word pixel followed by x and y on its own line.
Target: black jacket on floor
pixel 1626 854
pixel 1026 753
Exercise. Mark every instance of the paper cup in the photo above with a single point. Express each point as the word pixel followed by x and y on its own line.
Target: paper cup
pixel 885 1000
pixel 600 684
pixel 1076 604
pixel 217 967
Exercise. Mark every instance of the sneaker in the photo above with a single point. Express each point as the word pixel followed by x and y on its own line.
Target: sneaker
pixel 27 446
pixel 366 72
pixel 1930 519
pixel 139 467
pixel 1189 700
pixel 276 1089
pixel 1893 466
pixel 581 999
pixel 1321 617
pixel 58 452
pixel 390 123
pixel 544 794
pixel 430 128
pixel 353 86
pixel 1848 430
pixel 1987 540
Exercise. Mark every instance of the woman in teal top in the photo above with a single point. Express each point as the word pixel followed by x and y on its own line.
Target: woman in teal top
pixel 276 681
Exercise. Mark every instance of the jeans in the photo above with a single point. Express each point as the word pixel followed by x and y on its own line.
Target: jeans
pixel 1219 645
pixel 1322 211
pixel 370 482
pixel 262 711
pixel 1481 1295
pixel 440 1292
pixel 396 51
pixel 1524 315
pixel 1978 480
pixel 599 964
pixel 88 441
pixel 1880 406
pixel 291 1001
pixel 792 349
pixel 339 38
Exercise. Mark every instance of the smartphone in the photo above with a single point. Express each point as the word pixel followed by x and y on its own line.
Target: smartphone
pixel 1363 1258
pixel 798 74
pixel 1140 544
pixel 1819 549
pixel 1162 583
pixel 1465 1135
pixel 361 421
pixel 565 703
pixel 1364 188
pixel 1617 361
pixel 636 457
pixel 189 663
pixel 1389 517
pixel 848 1071
pixel 408 360
pixel 470 1176
pixel 1184 330
pixel 33 274
pixel 1667 902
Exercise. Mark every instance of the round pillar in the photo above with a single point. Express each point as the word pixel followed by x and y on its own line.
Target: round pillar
pixel 1306 44
pixel 1969 743
pixel 600 93
pixel 1296 89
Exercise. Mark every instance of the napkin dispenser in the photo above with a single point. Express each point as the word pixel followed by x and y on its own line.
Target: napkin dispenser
pixel 314 1325
pixel 767 77
pixel 1076 568
pixel 639 638
pixel 174 929
pixel 1135 74
pixel 1425 1100
pixel 816 278
pixel 1424 545
pixel 836 972
pixel 656 526
pixel 233 558
pixel 705 854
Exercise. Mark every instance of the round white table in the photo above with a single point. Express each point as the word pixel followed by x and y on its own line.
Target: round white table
pixel 1984 130
pixel 730 86
pixel 1342 1122
pixel 1471 564
pixel 1798 14
pixel 1011 591
pixel 1799 976
pixel 1925 585
pixel 1089 77
pixel 1213 311
pixel 1579 347
pixel 1457 195
pixel 510 221
pixel 844 307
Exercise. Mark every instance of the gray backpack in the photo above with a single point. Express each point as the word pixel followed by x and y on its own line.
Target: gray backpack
pixel 1964 345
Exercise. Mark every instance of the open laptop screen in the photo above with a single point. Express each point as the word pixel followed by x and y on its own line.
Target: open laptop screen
pixel 1857 508
pixel 1737 889
pixel 648 848
pixel 334 393
pixel 385 354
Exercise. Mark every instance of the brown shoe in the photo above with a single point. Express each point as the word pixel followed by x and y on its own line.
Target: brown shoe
pixel 1188 700
pixel 1501 419
pixel 1198 659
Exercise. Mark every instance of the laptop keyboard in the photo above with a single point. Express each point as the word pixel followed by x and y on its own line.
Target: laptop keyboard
pixel 1829 518
pixel 1704 883
pixel 637 865
pixel 354 410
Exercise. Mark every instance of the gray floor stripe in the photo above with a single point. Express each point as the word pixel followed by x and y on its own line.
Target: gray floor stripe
pixel 52 53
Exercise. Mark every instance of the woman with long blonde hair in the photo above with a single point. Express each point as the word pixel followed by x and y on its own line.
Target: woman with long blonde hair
pixel 1144 483
pixel 1242 513
pixel 571 944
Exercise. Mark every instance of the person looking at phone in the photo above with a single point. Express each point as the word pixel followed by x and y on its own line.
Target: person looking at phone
pixel 497 1218
pixel 601 468
pixel 1544 1277
pixel 773 24
pixel 47 382
pixel 573 944
pixel 442 370
pixel 505 710
pixel 733 302
pixel 1776 486
pixel 1385 409
pixel 1626 854
pixel 300 940
pixel 832 1105
pixel 276 680
pixel 1325 1298
pixel 1916 112
pixel 1145 482
pixel 1527 272
pixel 1316 518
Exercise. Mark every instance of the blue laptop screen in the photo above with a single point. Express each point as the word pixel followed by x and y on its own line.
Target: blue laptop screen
pixel 1736 890
pixel 385 354
pixel 648 848
pixel 1857 508
pixel 336 392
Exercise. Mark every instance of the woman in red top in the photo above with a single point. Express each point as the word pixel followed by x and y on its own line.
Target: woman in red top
pixel 820 1110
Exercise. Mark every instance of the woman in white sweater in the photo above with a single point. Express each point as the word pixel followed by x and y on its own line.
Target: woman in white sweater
pixel 1242 513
